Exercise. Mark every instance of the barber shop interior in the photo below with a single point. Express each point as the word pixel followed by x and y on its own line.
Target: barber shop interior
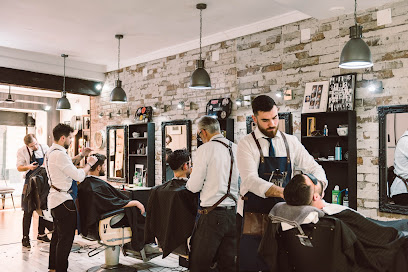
pixel 204 136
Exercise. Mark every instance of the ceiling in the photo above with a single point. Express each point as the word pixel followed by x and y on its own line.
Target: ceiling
pixel 39 31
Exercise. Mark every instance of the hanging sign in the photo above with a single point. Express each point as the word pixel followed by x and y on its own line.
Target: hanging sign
pixel 144 114
pixel 219 107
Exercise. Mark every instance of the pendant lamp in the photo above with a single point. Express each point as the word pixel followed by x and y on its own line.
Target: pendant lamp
pixel 118 95
pixel 200 78
pixel 63 102
pixel 9 99
pixel 356 53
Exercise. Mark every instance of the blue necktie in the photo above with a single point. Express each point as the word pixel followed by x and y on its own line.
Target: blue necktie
pixel 271 149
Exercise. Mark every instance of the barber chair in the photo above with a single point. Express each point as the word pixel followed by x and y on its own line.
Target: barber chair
pixel 311 251
pixel 114 234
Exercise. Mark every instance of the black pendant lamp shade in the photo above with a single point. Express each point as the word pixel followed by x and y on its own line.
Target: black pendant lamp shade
pixel 356 54
pixel 9 99
pixel 200 78
pixel 63 102
pixel 118 95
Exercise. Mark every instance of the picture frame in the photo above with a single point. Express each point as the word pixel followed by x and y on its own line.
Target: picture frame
pixel 342 90
pixel 311 125
pixel 86 122
pixel 315 98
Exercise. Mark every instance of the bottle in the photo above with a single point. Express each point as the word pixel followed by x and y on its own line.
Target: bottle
pixel 336 195
pixel 337 152
pixel 136 178
pixel 345 198
pixel 325 131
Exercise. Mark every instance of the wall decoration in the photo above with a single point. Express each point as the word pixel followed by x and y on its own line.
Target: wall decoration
pixel 144 114
pixel 341 92
pixel 219 107
pixel 86 122
pixel 315 99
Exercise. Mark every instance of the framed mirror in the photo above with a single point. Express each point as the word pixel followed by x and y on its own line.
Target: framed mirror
pixel 393 123
pixel 116 153
pixel 285 123
pixel 175 135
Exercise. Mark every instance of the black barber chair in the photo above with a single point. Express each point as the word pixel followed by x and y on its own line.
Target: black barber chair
pixel 113 233
pixel 314 251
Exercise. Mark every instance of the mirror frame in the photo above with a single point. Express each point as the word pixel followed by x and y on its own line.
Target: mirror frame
pixel 385 206
pixel 287 116
pixel 125 159
pixel 187 123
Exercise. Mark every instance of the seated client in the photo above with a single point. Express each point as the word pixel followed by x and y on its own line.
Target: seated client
pixel 372 246
pixel 97 197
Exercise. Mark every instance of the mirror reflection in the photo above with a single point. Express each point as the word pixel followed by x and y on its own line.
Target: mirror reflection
pixel 175 135
pixel 397 157
pixel 116 153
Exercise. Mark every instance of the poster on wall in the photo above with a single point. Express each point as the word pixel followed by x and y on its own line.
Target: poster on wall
pixel 341 92
pixel 315 99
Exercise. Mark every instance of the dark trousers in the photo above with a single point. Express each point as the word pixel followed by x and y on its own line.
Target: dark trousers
pixel 214 240
pixel 65 220
pixel 42 224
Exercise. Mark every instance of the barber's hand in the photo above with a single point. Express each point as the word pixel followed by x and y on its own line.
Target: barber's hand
pixel 33 166
pixel 92 160
pixel 86 151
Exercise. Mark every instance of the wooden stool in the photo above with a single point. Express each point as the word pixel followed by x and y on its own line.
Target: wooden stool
pixel 4 191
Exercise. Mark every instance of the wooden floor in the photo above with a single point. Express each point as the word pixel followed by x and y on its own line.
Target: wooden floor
pixel 15 258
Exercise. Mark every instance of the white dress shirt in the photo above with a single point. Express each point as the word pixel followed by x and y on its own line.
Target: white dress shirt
pixel 23 157
pixel 211 172
pixel 401 165
pixel 61 171
pixel 248 158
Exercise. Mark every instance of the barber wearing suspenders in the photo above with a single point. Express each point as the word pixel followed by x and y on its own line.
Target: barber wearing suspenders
pixel 215 176
pixel 29 158
pixel 61 171
pixel 266 160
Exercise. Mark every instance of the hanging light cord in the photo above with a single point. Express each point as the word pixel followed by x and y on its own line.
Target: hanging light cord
pixel 118 56
pixel 201 28
pixel 63 89
pixel 355 12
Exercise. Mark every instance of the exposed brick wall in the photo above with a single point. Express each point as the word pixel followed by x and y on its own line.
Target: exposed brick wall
pixel 263 62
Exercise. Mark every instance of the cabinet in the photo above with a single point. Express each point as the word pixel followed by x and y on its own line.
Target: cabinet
pixel 227 129
pixel 339 172
pixel 141 151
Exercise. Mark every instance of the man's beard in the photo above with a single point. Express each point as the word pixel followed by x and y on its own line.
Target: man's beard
pixel 101 173
pixel 66 146
pixel 271 132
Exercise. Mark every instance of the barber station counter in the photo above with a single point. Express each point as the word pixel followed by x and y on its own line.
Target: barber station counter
pixel 134 192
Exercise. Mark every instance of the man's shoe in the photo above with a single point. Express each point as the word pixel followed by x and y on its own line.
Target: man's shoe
pixel 43 237
pixel 26 242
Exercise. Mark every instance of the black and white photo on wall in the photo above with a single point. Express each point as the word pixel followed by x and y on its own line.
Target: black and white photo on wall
pixel 315 98
pixel 342 90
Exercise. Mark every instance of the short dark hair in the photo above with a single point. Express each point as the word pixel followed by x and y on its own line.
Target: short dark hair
pixel 168 151
pixel 61 130
pixel 101 160
pixel 297 192
pixel 262 103
pixel 178 158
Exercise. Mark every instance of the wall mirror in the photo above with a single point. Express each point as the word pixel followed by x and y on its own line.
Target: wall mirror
pixel 285 123
pixel 175 135
pixel 116 153
pixel 393 123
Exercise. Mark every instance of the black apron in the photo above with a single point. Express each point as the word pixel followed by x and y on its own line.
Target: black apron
pixel 24 203
pixel 249 260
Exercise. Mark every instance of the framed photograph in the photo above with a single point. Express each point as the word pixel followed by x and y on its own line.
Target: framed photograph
pixel 341 92
pixel 311 125
pixel 86 122
pixel 315 99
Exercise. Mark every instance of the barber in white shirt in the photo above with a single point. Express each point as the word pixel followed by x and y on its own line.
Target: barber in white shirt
pixel 29 158
pixel 399 188
pixel 215 176
pixel 266 161
pixel 61 171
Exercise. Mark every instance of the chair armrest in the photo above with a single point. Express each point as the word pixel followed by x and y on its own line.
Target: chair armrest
pixel 111 213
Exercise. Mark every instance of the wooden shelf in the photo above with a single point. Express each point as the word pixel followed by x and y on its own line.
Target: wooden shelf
pixel 323 137
pixel 332 161
pixel 138 138
pixel 137 155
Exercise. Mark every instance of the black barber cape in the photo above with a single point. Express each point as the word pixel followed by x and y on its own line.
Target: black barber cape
pixel 359 245
pixel 171 214
pixel 97 197
pixel 37 190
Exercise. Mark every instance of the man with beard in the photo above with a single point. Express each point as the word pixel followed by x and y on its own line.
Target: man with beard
pixel 61 171
pixel 266 161
pixel 215 176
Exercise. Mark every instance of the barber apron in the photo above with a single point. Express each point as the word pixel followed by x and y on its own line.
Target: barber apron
pixel 256 209
pixel 40 161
